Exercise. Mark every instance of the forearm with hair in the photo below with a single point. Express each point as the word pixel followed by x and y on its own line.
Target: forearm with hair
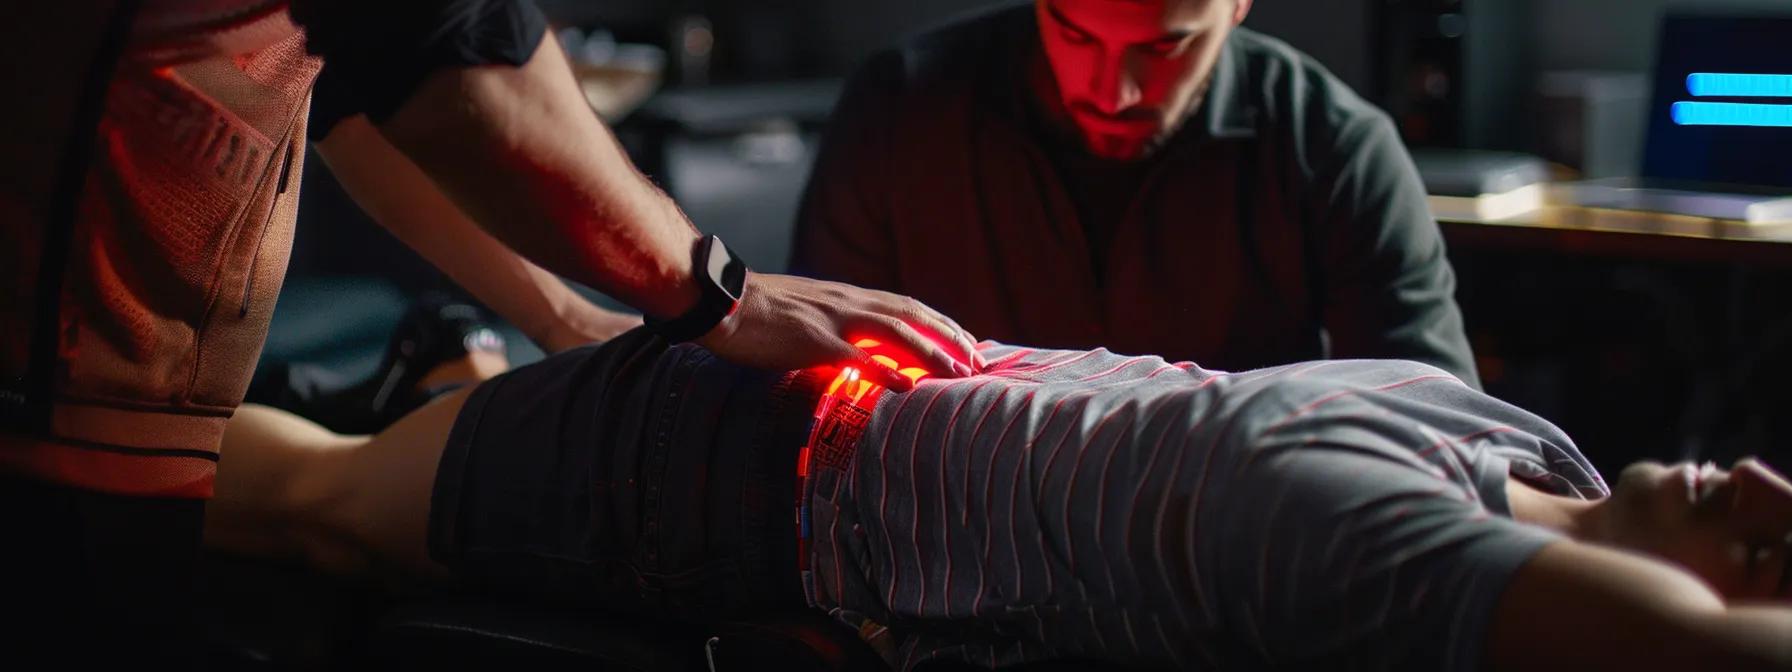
pixel 521 151
pixel 402 199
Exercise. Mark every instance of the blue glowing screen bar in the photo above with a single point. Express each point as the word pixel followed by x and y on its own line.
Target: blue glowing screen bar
pixel 1739 86
pixel 1732 114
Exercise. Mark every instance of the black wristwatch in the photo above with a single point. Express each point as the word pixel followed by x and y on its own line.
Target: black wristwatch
pixel 721 276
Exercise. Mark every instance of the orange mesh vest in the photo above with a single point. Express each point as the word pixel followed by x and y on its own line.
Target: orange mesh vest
pixel 160 253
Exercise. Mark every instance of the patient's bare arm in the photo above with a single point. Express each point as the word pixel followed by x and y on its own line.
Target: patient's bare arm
pixel 1681 568
pixel 1579 606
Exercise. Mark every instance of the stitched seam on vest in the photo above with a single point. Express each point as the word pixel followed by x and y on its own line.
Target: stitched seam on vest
pixel 158 407
pixel 182 453
pixel 261 239
pixel 217 289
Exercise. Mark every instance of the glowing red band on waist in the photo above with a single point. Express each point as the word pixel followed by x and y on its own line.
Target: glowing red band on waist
pixel 840 418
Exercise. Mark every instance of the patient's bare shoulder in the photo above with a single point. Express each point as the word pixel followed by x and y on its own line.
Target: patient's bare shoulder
pixel 1578 606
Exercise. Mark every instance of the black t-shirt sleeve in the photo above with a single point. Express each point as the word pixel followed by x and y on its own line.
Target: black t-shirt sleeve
pixel 1390 290
pixel 377 53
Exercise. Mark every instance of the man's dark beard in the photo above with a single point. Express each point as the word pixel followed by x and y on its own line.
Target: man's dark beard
pixel 1058 121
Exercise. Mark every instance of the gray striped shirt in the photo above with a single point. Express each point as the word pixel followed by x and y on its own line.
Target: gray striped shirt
pixel 1073 504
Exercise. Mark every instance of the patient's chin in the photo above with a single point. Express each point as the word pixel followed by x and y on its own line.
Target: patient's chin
pixel 1639 515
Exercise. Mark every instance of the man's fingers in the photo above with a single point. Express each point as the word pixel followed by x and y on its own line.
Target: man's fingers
pixel 949 336
pixel 965 339
pixel 880 374
pixel 954 344
pixel 831 314
pixel 921 350
pixel 968 342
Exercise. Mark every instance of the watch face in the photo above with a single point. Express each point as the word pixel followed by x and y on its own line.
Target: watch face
pixel 729 274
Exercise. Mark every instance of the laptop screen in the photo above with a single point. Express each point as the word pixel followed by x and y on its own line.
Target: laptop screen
pixel 1722 107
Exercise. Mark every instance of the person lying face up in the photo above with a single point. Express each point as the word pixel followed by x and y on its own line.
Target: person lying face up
pixel 1060 504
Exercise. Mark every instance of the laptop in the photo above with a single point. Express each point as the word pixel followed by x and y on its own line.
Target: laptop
pixel 1720 124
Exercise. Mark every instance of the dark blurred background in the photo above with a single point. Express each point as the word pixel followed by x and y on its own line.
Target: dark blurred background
pixel 1636 355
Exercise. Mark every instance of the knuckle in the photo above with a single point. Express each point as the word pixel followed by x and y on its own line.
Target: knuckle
pixel 816 335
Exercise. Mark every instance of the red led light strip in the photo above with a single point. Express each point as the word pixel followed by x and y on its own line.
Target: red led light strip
pixel 840 418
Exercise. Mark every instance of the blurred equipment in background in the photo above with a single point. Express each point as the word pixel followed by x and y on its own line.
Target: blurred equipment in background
pixel 1649 335
pixel 1722 107
pixel 1720 125
pixel 693 40
pixel 1419 68
pixel 736 158
pixel 1450 72
pixel 1593 121
pixel 615 77
pixel 1481 185
pixel 1333 32
pixel 1730 203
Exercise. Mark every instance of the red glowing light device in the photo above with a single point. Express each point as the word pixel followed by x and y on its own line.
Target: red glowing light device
pixel 840 418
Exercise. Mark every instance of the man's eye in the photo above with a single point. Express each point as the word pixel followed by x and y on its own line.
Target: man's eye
pixel 1074 36
pixel 1164 47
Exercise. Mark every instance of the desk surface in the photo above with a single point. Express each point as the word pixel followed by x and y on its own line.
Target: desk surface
pixel 1623 233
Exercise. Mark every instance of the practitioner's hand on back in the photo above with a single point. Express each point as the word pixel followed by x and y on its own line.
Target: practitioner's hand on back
pixel 786 322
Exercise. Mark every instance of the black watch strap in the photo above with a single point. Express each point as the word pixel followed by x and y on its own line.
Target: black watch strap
pixel 721 277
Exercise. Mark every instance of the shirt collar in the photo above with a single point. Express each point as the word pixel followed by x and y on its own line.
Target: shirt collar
pixel 1228 112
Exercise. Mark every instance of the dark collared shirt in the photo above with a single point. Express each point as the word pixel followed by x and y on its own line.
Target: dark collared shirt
pixel 1284 222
